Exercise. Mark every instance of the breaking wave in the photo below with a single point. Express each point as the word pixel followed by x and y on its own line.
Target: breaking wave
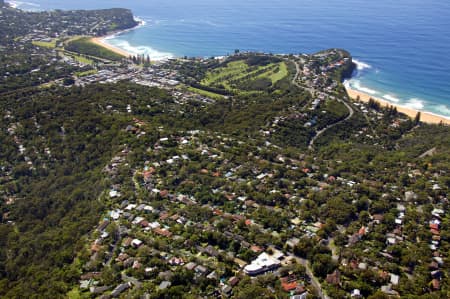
pixel 391 98
pixel 415 103
pixel 24 5
pixel 356 84
pixel 138 50
pixel 361 65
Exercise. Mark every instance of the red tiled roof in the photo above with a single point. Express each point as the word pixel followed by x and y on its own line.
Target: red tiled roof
pixel 289 286
pixel 164 216
pixel 217 212
pixel 434 226
pixel 362 231
pixel 229 196
pixel 289 283
pixel 256 248
pixel 162 232
pixel 435 284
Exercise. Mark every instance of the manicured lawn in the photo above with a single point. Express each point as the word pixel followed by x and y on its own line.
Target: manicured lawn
pixel 237 72
pixel 84 45
pixel 283 72
pixel 49 45
pixel 222 75
pixel 205 93
pixel 79 58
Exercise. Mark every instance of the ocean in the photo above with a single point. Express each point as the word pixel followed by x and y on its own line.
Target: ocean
pixel 402 47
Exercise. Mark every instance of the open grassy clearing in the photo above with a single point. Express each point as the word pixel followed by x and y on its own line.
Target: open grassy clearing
pixel 84 45
pixel 86 73
pixel 50 45
pixel 282 72
pixel 238 75
pixel 79 58
pixel 232 70
pixel 205 93
pixel 82 59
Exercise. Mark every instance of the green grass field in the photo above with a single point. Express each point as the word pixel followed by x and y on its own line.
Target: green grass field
pixel 232 70
pixel 86 73
pixel 205 93
pixel 84 45
pixel 77 57
pixel 282 72
pixel 50 45
pixel 238 75
pixel 83 59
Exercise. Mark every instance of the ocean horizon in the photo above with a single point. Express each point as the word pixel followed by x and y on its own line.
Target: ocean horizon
pixel 401 48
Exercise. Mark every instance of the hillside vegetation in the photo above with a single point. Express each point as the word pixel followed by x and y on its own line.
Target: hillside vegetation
pixel 84 45
pixel 175 179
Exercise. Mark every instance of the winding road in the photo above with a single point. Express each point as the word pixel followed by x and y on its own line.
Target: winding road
pixel 312 91
pixel 314 281
pixel 350 115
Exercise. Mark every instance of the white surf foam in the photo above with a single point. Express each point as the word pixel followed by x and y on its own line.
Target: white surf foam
pixel 138 50
pixel 12 4
pixel 141 21
pixel 415 103
pixel 361 65
pixel 443 110
pixel 391 98
pixel 356 84
pixel 23 5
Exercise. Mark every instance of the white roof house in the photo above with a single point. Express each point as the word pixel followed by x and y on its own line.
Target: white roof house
pixel 261 264
pixel 394 279
pixel 114 194
pixel 136 243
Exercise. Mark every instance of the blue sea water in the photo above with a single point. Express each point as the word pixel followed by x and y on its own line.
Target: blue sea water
pixel 403 46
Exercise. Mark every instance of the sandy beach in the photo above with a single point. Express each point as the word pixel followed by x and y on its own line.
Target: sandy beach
pixel 425 117
pixel 100 41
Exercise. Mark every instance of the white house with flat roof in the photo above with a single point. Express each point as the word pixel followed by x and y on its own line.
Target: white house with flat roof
pixel 262 264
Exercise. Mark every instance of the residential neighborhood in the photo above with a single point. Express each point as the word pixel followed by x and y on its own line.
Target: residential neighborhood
pixel 251 175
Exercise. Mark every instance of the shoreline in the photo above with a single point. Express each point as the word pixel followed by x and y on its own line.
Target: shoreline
pixel 100 41
pixel 103 42
pixel 425 117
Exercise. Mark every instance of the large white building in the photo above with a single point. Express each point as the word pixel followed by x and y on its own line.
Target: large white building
pixel 262 264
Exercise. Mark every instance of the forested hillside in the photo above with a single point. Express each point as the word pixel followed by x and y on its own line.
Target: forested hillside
pixel 249 176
